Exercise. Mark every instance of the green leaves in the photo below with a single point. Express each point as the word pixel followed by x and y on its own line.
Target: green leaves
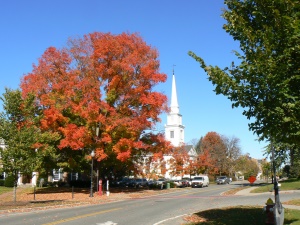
pixel 21 135
pixel 266 83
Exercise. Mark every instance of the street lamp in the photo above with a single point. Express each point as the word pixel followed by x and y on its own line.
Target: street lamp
pixel 92 155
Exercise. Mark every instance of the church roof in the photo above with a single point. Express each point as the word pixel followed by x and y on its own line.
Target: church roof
pixel 190 150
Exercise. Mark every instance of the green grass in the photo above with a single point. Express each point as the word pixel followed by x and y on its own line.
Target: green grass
pixel 293 202
pixel 5 189
pixel 291 184
pixel 240 215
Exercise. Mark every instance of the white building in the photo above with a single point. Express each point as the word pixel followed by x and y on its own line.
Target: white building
pixel 174 130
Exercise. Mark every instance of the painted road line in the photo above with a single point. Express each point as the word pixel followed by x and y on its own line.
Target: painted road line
pixel 81 216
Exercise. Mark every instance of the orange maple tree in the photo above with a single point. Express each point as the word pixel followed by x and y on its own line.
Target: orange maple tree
pixel 182 163
pixel 212 148
pixel 100 82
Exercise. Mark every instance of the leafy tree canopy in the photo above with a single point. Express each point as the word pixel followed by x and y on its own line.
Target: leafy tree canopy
pixel 267 80
pixel 98 93
pixel 20 133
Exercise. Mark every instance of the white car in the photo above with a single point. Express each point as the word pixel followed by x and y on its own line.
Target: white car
pixel 200 181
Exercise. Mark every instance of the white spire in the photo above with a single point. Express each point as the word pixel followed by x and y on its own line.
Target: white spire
pixel 174 130
pixel 174 101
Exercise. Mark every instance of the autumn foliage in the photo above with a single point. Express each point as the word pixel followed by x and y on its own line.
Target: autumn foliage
pixel 212 149
pixel 100 82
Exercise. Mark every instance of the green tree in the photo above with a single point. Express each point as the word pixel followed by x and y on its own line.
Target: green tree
pixel 27 149
pixel 246 166
pixel 266 169
pixel 294 157
pixel 266 81
pixel 19 138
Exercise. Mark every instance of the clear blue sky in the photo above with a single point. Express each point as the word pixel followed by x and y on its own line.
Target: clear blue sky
pixel 172 26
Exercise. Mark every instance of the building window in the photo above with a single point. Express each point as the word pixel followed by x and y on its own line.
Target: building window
pixel 57 175
pixel 171 134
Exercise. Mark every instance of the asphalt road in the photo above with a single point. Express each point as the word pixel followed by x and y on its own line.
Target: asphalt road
pixel 164 209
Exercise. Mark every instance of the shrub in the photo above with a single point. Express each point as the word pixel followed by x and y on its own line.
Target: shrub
pixel 9 181
pixel 1 182
pixel 79 183
pixel 172 185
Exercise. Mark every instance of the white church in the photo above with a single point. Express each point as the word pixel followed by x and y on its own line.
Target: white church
pixel 174 129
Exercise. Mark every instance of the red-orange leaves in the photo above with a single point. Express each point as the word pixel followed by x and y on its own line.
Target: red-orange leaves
pixel 100 154
pixel 52 119
pixel 102 80
pixel 123 149
pixel 213 149
pixel 75 137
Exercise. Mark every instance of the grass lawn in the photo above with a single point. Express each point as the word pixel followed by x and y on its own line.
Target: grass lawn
pixel 239 215
pixel 291 184
pixel 5 189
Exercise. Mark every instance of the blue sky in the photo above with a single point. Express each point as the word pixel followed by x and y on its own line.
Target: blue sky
pixel 172 26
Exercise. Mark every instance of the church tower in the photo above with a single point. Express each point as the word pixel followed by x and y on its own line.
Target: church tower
pixel 174 130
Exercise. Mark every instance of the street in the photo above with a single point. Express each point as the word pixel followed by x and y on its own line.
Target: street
pixel 153 210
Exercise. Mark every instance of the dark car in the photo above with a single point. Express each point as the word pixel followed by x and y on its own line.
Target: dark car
pixel 121 182
pixel 152 183
pixel 223 180
pixel 140 182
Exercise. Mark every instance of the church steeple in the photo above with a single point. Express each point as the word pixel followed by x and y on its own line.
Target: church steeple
pixel 174 101
pixel 174 130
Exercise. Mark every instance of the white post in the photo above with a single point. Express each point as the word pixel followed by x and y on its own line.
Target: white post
pixel 20 180
pixel 34 179
pixel 107 187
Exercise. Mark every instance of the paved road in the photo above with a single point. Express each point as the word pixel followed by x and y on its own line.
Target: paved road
pixel 165 209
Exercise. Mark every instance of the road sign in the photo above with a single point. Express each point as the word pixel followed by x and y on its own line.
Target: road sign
pixel 252 179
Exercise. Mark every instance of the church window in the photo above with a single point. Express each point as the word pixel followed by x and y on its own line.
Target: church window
pixel 172 134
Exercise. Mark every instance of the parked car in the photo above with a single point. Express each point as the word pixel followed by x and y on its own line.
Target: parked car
pixel 223 180
pixel 161 182
pixel 140 182
pixel 121 182
pixel 200 181
pixel 178 183
pixel 185 183
pixel 152 183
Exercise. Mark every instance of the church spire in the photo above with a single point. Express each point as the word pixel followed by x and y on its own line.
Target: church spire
pixel 174 130
pixel 174 101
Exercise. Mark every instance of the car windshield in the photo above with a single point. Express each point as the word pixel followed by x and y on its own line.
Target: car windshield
pixel 198 178
pixel 222 177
